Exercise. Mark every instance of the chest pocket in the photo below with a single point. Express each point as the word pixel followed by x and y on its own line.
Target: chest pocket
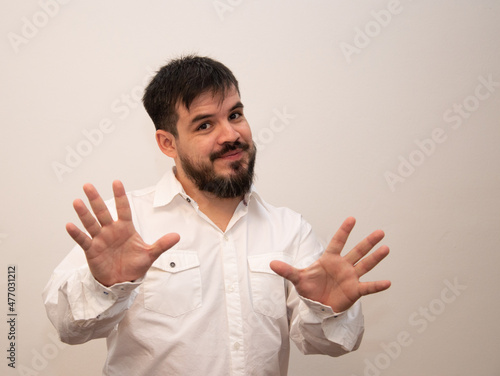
pixel 173 284
pixel 268 288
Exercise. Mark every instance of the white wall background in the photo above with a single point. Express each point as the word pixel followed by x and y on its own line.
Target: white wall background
pixel 361 105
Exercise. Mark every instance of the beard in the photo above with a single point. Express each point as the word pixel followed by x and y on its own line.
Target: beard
pixel 236 184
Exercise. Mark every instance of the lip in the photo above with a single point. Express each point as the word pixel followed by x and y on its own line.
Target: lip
pixel 232 155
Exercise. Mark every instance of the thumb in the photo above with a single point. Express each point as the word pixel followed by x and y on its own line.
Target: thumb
pixel 285 270
pixel 163 244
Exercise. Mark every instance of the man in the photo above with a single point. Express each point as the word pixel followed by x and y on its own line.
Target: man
pixel 234 278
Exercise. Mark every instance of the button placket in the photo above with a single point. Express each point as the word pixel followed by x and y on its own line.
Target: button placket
pixel 233 303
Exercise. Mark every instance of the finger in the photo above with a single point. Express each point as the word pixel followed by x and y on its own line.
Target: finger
pixel 285 270
pixel 163 244
pixel 339 239
pixel 98 206
pixel 78 236
pixel 366 288
pixel 121 200
pixel 369 262
pixel 365 246
pixel 86 217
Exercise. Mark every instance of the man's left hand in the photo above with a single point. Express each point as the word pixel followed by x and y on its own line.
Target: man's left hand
pixel 333 280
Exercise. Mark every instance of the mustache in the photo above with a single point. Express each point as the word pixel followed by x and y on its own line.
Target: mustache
pixel 227 147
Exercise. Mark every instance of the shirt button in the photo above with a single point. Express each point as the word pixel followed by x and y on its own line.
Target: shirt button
pixel 236 346
pixel 226 238
pixel 188 199
pixel 172 264
pixel 230 288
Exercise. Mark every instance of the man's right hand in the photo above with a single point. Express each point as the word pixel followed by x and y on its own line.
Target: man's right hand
pixel 115 251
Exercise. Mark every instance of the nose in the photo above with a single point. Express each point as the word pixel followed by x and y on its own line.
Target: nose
pixel 227 133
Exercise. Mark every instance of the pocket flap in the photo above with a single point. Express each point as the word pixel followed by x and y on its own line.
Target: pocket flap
pixel 260 263
pixel 177 261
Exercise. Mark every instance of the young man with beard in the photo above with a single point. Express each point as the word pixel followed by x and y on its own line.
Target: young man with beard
pixel 233 280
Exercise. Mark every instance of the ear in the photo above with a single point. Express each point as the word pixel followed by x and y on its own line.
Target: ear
pixel 166 143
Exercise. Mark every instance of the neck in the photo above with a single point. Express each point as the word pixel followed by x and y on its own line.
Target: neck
pixel 219 210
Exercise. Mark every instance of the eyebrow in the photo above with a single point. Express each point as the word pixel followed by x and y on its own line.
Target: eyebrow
pixel 200 117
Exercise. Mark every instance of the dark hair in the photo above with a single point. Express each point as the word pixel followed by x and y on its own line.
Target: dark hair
pixel 180 82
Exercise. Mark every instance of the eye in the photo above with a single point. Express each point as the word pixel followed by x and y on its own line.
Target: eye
pixel 203 127
pixel 235 115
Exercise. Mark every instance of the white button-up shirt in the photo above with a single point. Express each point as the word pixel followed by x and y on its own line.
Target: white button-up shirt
pixel 210 305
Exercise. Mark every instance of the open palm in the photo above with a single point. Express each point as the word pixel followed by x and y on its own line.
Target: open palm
pixel 114 250
pixel 333 279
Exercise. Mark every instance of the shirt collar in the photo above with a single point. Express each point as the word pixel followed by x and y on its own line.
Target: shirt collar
pixel 169 187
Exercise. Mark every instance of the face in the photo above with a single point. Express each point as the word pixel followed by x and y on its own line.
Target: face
pixel 214 147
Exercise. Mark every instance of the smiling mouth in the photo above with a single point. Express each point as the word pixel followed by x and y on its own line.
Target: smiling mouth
pixel 230 152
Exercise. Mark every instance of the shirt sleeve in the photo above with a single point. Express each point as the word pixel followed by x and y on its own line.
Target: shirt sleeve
pixel 81 308
pixel 314 327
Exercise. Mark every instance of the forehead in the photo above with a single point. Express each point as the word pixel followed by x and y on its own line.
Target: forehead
pixel 209 102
